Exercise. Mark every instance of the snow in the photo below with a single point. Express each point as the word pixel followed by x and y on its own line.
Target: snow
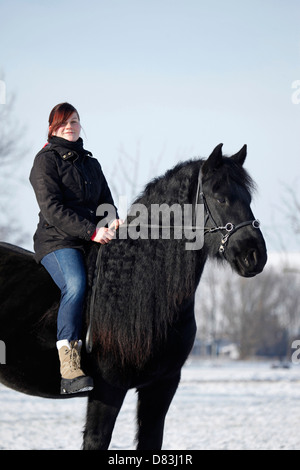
pixel 219 405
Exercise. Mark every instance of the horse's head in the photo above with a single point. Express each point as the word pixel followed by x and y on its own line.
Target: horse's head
pixel 231 229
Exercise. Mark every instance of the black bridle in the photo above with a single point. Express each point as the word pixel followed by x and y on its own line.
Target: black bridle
pixel 229 227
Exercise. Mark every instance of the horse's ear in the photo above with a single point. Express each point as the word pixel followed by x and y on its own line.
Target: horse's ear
pixel 214 160
pixel 240 157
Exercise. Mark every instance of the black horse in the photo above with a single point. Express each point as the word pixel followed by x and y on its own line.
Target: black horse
pixel 142 324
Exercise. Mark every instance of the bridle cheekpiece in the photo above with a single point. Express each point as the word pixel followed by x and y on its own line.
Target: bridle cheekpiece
pixel 230 228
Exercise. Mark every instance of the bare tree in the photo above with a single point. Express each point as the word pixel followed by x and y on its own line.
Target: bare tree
pixel 291 207
pixel 12 152
pixel 126 175
pixel 208 314
pixel 259 315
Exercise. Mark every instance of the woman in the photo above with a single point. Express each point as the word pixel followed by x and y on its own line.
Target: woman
pixel 69 186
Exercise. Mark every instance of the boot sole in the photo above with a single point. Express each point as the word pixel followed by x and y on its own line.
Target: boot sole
pixel 80 384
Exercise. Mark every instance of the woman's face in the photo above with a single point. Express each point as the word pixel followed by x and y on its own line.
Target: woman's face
pixel 70 129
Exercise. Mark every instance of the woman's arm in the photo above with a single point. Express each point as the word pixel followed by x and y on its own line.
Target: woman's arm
pixel 46 184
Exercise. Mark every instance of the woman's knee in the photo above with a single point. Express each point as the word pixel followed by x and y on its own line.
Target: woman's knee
pixel 75 287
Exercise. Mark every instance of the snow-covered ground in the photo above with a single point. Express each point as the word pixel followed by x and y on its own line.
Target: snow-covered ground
pixel 218 405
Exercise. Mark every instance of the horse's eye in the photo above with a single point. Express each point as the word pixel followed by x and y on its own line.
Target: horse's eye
pixel 221 200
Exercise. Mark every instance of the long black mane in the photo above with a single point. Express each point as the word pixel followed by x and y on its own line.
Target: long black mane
pixel 130 325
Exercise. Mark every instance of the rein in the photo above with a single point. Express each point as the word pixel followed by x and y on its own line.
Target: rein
pixel 89 333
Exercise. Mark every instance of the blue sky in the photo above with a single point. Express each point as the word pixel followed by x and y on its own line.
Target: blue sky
pixel 164 80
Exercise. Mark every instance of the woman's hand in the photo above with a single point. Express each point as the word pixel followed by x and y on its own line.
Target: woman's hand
pixel 116 224
pixel 104 235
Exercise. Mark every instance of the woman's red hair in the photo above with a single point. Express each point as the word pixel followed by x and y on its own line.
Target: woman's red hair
pixel 59 114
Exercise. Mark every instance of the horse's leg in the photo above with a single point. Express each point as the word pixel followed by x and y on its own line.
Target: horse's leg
pixel 103 408
pixel 153 404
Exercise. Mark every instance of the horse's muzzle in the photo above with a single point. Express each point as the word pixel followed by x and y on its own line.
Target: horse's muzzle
pixel 251 262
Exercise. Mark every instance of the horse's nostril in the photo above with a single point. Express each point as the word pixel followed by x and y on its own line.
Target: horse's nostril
pixel 251 258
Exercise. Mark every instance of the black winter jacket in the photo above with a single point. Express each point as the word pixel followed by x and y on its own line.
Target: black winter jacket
pixel 69 186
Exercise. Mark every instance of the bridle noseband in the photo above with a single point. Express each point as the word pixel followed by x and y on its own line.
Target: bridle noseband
pixel 229 227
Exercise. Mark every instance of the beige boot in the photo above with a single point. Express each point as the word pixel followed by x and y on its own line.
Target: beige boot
pixel 73 379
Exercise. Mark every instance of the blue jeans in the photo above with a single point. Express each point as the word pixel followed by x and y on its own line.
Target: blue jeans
pixel 67 268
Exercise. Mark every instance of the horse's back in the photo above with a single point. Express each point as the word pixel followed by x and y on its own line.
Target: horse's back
pixel 27 295
pixel 25 286
pixel 15 265
pixel 7 249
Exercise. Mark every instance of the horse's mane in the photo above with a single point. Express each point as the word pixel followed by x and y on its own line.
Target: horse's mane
pixel 143 282
pixel 235 173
